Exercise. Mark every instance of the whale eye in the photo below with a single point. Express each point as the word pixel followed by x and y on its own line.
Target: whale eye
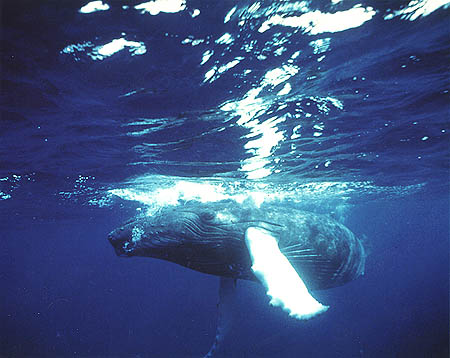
pixel 207 216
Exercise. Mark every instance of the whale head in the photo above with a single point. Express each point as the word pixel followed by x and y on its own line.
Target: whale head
pixel 170 229
pixel 147 236
pixel 195 239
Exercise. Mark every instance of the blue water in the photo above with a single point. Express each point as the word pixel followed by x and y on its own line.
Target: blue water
pixel 347 117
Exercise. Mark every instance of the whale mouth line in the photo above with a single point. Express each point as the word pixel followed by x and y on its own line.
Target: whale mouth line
pixel 123 254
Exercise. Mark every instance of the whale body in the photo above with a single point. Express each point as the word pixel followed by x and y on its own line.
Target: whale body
pixel 210 238
pixel 288 251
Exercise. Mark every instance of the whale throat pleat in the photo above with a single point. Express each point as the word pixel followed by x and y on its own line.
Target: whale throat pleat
pixel 205 232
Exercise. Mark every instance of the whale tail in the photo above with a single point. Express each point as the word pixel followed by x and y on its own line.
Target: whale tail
pixel 225 315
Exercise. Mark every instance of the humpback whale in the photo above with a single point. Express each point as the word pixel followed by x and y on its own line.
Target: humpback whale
pixel 288 251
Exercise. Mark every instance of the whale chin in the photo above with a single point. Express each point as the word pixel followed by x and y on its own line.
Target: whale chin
pixel 119 241
pixel 119 249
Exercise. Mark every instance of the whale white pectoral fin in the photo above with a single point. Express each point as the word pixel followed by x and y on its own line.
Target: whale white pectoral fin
pixel 283 284
pixel 225 317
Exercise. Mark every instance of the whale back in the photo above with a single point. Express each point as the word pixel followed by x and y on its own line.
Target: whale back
pixel 209 238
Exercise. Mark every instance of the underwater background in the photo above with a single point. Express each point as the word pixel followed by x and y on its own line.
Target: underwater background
pixel 113 109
